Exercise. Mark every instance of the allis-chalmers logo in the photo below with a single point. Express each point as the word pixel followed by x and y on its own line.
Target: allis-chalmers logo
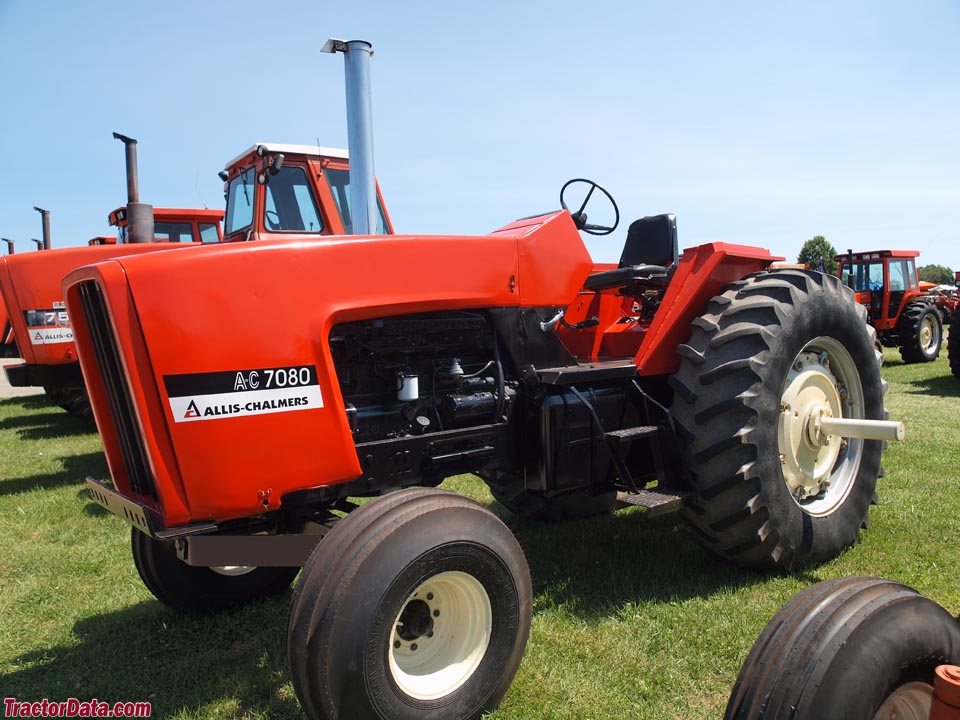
pixel 49 326
pixel 237 393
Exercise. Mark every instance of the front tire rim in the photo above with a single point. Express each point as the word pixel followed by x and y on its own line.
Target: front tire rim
pixel 910 701
pixel 440 635
pixel 819 470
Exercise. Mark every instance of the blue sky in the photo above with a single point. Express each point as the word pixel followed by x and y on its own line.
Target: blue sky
pixel 760 123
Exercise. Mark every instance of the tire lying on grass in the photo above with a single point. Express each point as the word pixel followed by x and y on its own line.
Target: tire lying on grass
pixel 857 647
pixel 769 354
pixel 190 589
pixel 415 605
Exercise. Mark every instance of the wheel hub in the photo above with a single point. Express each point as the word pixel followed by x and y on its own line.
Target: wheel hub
pixel 807 455
pixel 415 621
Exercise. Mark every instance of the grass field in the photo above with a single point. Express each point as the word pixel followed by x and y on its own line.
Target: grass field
pixel 632 619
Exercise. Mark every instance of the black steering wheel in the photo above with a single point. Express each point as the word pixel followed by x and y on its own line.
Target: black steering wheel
pixel 580 217
pixel 269 215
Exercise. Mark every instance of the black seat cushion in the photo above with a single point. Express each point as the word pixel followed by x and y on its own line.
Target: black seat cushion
pixel 625 276
pixel 649 255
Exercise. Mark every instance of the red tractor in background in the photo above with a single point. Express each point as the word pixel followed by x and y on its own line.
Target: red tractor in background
pixel 30 284
pixel 373 365
pixel 903 314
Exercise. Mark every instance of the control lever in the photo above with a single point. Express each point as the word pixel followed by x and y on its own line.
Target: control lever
pixel 589 322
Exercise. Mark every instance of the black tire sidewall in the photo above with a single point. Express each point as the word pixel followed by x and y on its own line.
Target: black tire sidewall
pixel 463 539
pixel 821 537
pixel 191 589
pixel 899 643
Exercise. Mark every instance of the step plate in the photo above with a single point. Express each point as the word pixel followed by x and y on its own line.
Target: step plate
pixel 634 433
pixel 656 503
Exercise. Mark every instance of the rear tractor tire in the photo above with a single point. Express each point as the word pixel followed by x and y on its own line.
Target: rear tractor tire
pixel 771 355
pixel 953 350
pixel 853 648
pixel 198 590
pixel 72 399
pixel 415 605
pixel 921 333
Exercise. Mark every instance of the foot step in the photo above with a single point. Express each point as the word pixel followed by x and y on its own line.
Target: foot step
pixel 655 501
pixel 634 433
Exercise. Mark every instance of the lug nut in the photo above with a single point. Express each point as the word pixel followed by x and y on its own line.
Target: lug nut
pixel 397 643
pixel 413 647
pixel 429 596
pixel 436 613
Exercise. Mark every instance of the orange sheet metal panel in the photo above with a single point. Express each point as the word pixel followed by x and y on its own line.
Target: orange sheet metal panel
pixel 224 437
pixel 702 272
pixel 30 284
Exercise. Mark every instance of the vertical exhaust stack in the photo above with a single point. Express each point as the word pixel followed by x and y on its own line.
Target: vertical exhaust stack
pixel 363 184
pixel 139 215
pixel 45 216
pixel 10 249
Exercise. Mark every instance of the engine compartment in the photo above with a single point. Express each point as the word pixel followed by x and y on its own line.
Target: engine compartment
pixel 418 374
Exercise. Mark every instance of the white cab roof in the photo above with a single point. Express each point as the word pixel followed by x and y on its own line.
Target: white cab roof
pixel 314 150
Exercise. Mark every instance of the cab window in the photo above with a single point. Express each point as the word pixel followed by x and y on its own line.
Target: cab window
pixel 339 181
pixel 208 233
pixel 289 205
pixel 898 275
pixel 173 232
pixel 240 202
pixel 867 277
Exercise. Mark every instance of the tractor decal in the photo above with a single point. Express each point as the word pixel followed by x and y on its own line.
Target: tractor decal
pixel 48 326
pixel 236 393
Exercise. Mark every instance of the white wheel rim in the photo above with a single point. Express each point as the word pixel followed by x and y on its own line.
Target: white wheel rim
pixel 233 570
pixel 819 470
pixel 436 654
pixel 910 701
pixel 928 334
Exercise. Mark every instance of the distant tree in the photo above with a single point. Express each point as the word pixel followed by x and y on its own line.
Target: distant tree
pixel 937 274
pixel 817 250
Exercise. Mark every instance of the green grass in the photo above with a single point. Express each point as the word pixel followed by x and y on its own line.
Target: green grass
pixel 632 619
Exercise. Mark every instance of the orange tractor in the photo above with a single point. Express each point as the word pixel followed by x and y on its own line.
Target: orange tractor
pixel 30 286
pixel 307 191
pixel 903 314
pixel 314 369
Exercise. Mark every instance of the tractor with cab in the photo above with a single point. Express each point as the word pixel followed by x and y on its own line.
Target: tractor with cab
pixel 903 314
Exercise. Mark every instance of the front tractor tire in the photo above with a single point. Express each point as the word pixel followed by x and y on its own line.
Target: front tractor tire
pixel 855 647
pixel 416 605
pixel 770 356
pixel 74 400
pixel 199 590
pixel 921 333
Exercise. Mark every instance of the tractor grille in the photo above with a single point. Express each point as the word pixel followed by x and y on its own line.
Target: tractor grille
pixel 118 393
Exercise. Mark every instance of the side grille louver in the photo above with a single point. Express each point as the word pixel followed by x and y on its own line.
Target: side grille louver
pixel 118 393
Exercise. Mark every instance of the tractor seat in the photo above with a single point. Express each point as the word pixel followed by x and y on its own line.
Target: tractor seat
pixel 649 255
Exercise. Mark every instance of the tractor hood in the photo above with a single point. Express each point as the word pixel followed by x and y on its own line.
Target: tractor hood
pixel 202 362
